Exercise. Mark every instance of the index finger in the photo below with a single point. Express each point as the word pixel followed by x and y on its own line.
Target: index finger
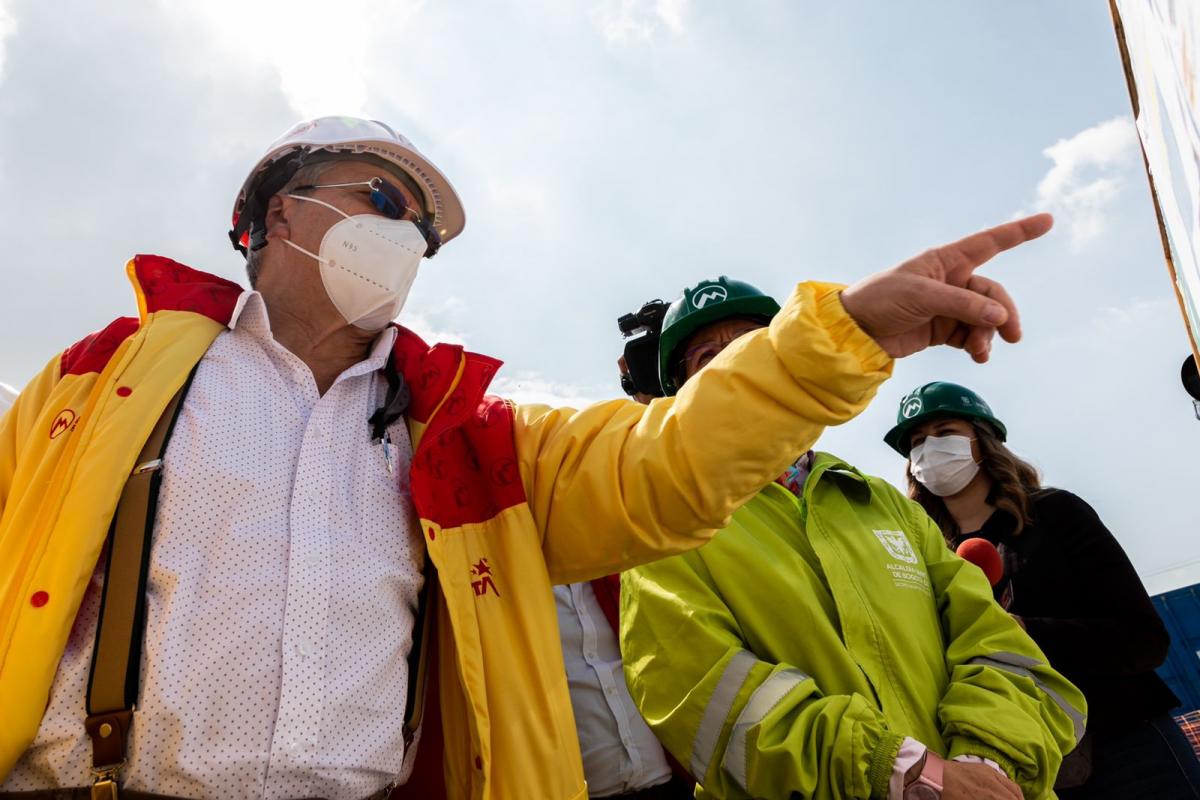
pixel 1010 330
pixel 979 248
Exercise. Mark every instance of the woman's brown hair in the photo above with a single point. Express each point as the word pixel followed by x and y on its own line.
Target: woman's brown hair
pixel 1013 481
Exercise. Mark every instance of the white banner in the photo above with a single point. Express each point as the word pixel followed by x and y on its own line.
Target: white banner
pixel 1161 50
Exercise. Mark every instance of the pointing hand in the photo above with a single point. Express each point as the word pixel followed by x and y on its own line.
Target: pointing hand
pixel 936 297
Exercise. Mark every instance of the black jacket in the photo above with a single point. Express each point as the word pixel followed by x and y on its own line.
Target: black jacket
pixel 1071 583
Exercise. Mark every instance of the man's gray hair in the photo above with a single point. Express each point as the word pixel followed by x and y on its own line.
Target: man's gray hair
pixel 305 176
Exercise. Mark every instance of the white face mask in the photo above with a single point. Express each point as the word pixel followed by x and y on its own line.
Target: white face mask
pixel 944 464
pixel 368 264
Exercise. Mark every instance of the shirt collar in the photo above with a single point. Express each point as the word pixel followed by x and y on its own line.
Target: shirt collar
pixel 381 348
pixel 250 311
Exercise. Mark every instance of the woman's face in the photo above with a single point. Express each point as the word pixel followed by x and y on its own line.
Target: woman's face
pixel 945 426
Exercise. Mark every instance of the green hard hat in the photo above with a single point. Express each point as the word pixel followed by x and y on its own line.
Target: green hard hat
pixel 938 399
pixel 706 302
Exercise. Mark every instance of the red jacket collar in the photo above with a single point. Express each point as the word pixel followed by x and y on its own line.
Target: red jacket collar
pixel 166 285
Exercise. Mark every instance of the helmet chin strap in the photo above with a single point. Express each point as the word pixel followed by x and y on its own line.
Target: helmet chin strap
pixel 252 218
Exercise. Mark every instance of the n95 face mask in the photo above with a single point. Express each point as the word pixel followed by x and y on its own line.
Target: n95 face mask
pixel 368 264
pixel 943 464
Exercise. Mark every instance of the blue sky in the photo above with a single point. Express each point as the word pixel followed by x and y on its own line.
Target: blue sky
pixel 611 151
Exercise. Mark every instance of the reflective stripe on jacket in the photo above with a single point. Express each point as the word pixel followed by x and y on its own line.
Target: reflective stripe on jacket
pixel 796 650
pixel 510 499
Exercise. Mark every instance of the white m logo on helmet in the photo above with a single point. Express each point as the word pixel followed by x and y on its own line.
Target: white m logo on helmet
pixel 714 293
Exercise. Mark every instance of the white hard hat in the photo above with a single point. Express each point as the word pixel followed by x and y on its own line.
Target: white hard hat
pixel 348 135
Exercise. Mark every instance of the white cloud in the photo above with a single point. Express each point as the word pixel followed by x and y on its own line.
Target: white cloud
pixel 321 55
pixel 1135 315
pixel 431 332
pixel 434 321
pixel 671 13
pixel 626 21
pixel 531 387
pixel 521 387
pixel 1088 173
pixel 8 26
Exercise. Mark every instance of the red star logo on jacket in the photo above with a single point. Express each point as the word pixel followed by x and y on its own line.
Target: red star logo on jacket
pixel 483 571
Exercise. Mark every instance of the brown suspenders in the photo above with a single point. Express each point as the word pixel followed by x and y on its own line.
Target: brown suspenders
pixel 420 657
pixel 113 681
pixel 116 661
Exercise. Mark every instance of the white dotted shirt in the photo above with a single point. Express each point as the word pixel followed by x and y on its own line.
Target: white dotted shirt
pixel 284 576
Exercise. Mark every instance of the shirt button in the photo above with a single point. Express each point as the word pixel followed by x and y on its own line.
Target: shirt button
pixel 312 559
pixel 305 649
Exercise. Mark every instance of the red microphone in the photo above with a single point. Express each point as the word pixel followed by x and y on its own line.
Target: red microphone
pixel 984 555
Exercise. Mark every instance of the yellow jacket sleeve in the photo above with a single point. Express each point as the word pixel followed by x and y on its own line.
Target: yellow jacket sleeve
pixel 619 484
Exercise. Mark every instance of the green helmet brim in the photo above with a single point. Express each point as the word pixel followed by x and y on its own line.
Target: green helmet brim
pixel 897 438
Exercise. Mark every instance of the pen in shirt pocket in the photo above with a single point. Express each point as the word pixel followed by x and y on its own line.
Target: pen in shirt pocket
pixel 389 455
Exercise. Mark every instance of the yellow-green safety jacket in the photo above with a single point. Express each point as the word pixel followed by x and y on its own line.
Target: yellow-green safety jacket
pixel 791 655
pixel 545 495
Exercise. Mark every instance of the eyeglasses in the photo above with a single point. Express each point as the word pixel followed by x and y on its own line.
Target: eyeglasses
pixel 392 203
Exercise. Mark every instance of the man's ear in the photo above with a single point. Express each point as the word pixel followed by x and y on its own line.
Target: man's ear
pixel 279 211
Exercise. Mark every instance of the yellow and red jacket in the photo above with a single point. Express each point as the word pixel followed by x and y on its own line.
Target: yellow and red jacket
pixel 511 499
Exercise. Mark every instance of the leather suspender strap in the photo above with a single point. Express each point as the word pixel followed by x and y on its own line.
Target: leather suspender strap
pixel 116 659
pixel 421 659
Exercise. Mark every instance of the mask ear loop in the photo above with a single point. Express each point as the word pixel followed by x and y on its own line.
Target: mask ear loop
pixel 292 244
pixel 320 203
pixel 313 256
